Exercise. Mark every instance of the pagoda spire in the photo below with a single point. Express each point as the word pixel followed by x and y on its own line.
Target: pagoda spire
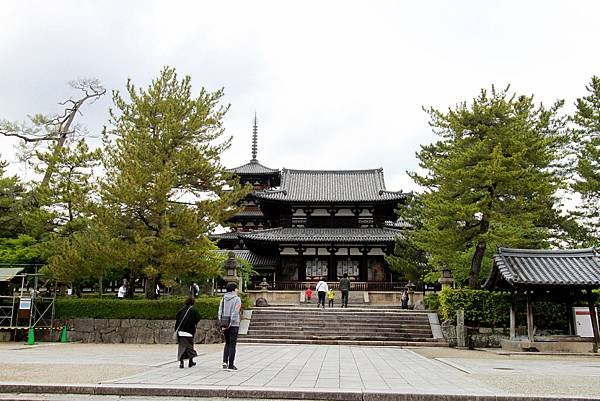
pixel 254 139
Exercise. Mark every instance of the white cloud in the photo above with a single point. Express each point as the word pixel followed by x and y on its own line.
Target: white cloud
pixel 336 84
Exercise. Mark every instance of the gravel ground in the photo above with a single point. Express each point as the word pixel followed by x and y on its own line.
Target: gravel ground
pixel 543 385
pixel 532 383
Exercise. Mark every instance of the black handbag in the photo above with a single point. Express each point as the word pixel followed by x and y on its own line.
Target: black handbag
pixel 224 321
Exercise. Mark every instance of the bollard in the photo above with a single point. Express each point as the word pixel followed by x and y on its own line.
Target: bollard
pixel 31 337
pixel 63 334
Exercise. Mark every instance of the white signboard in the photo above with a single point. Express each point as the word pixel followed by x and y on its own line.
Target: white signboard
pixel 25 304
pixel 583 322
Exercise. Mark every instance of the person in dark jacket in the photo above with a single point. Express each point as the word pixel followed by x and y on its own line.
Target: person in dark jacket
pixel 185 324
pixel 345 288
pixel 230 307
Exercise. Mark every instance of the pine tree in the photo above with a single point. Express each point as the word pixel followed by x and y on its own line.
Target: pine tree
pixel 491 180
pixel 12 192
pixel 408 259
pixel 587 136
pixel 165 189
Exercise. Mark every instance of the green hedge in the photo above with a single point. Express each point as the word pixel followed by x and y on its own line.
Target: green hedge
pixel 113 308
pixel 492 309
pixel 482 308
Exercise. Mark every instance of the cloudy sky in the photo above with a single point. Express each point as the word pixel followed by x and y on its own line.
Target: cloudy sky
pixel 335 84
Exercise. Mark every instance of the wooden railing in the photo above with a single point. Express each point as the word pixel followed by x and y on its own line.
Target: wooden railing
pixel 355 286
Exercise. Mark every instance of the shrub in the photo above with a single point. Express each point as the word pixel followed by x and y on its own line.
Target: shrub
pixel 113 308
pixel 431 301
pixel 482 308
pixel 492 309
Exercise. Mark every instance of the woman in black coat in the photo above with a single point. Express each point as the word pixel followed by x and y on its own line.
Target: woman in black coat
pixel 185 324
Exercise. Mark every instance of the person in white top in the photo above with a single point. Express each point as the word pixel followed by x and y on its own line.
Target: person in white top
pixel 122 292
pixel 322 288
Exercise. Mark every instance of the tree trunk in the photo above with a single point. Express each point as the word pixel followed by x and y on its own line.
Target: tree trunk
pixel 476 265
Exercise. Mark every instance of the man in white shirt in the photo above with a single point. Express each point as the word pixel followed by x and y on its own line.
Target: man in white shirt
pixel 122 292
pixel 322 288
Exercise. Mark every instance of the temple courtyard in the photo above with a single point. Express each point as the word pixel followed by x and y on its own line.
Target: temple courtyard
pixel 128 371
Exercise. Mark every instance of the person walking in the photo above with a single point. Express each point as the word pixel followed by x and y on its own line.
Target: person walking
pixel 122 293
pixel 185 325
pixel 345 288
pixel 194 290
pixel 322 288
pixel 308 294
pixel 230 308
pixel 331 297
pixel 404 299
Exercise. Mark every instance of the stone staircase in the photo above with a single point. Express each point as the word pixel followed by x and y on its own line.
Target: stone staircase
pixel 308 324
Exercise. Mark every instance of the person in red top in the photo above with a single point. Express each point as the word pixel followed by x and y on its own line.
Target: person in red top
pixel 308 295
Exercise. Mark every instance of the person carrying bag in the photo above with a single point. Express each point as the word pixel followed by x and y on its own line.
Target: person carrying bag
pixel 229 321
pixel 185 328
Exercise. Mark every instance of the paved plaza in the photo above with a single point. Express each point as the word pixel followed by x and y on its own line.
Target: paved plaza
pixel 293 371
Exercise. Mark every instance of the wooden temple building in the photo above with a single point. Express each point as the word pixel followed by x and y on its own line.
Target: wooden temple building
pixel 299 226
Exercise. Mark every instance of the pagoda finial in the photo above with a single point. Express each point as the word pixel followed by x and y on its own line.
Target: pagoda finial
pixel 254 139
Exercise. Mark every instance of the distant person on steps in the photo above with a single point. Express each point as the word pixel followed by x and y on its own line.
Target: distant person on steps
pixel 322 288
pixel 345 288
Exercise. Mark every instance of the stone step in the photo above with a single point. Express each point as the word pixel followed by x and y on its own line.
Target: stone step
pixel 362 308
pixel 302 334
pixel 428 343
pixel 340 328
pixel 339 317
pixel 321 312
pixel 370 322
pixel 312 325
pixel 348 338
pixel 335 329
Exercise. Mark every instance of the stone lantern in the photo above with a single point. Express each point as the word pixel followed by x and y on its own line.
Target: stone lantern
pixel 231 266
pixel 446 280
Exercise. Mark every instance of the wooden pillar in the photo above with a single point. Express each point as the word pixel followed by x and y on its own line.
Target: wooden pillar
pixel 530 316
pixel 513 315
pixel 592 306
pixel 332 269
pixel 569 307
pixel 301 272
pixel 363 268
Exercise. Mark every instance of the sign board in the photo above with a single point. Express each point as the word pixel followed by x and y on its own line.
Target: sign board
pixel 25 304
pixel 583 322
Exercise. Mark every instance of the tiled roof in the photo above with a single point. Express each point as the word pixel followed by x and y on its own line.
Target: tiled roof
pixel 323 235
pixel 228 235
pixel 253 168
pixel 523 267
pixel 255 259
pixel 331 186
pixel 249 213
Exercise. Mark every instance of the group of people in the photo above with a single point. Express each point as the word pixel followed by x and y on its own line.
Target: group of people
pixel 323 291
pixel 188 317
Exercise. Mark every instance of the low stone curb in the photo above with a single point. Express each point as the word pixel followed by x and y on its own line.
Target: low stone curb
pixel 260 393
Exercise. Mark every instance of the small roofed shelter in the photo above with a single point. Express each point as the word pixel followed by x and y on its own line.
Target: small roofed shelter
pixel 566 275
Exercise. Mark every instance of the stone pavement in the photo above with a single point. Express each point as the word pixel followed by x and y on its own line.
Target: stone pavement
pixel 332 372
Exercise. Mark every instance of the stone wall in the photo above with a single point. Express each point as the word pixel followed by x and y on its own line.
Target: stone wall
pixel 135 331
pixel 275 297
pixel 481 337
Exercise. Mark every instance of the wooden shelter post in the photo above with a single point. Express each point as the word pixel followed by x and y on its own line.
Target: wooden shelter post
pixel 513 316
pixel 592 306
pixel 530 315
pixel 569 307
